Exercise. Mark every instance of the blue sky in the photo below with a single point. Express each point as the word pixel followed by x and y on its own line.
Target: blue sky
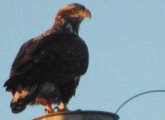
pixel 127 55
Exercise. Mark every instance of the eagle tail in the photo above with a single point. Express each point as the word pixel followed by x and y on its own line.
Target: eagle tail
pixel 22 97
pixel 18 106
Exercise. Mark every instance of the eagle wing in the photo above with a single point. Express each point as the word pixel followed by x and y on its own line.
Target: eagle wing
pixel 23 58
pixel 57 54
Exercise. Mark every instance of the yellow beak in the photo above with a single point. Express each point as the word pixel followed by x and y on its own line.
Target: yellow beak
pixel 86 13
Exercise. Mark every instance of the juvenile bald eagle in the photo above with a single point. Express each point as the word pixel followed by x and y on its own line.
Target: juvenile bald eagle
pixel 47 69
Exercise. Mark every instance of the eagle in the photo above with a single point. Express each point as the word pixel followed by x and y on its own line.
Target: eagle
pixel 47 68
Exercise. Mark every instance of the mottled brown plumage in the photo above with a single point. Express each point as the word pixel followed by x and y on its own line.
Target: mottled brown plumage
pixel 47 69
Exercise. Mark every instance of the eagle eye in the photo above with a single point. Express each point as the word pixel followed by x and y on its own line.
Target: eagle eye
pixel 74 10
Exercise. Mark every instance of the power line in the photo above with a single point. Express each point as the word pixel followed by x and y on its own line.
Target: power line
pixel 135 96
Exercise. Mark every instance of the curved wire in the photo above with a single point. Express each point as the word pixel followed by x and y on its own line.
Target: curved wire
pixel 135 96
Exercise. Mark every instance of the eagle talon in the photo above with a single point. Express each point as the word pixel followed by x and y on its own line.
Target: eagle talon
pixel 56 109
pixel 62 107
pixel 49 109
pixel 46 110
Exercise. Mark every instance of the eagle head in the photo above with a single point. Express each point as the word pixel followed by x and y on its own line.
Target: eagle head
pixel 69 18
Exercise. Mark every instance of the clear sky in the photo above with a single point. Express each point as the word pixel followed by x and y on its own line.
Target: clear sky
pixel 126 40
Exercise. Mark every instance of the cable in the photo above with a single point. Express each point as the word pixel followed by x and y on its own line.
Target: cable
pixel 135 96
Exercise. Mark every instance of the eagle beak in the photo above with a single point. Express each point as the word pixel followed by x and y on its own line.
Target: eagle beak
pixel 87 14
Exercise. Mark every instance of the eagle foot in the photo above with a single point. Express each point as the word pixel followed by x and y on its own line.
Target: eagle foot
pixel 58 110
pixel 61 108
pixel 49 109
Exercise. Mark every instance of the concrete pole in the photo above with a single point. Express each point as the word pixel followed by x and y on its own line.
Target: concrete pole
pixel 80 115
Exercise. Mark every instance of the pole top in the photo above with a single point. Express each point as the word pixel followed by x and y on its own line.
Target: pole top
pixel 80 115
